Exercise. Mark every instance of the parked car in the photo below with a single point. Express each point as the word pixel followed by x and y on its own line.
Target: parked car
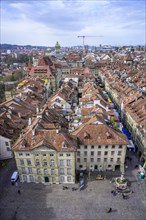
pixel 100 177
pixel 14 177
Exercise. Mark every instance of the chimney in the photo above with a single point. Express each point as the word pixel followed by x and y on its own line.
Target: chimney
pixel 29 121
pixel 58 129
pixel 46 111
pixel 37 109
pixel 9 116
pixel 33 132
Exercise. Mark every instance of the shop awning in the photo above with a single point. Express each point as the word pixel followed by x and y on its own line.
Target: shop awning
pixel 126 132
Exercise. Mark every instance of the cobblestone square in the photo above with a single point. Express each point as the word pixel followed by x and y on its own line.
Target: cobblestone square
pixel 37 201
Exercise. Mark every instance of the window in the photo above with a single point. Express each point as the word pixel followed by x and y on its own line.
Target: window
pixel 92 159
pixel 38 171
pixel 37 162
pixel 78 153
pixel 99 153
pixel 85 153
pixel 21 162
pixel 68 155
pixel 92 153
pixel 44 155
pixel 119 153
pixel 68 178
pixel 61 162
pixel 24 178
pixel 118 159
pixel 99 146
pixel 8 149
pixel 28 162
pixel 78 160
pixel 106 153
pixel 109 165
pixel 112 152
pixel 68 170
pixel 27 154
pixel 85 159
pixel 68 162
pixel 46 171
pixel 61 155
pixel 31 178
pixel 113 146
pixel 53 179
pixel 23 170
pixel 20 154
pixel 7 143
pixel 29 170
pixel 52 163
pixel 52 172
pixel 98 159
pixel 112 159
pixel 106 146
pixel 39 179
pixel 36 155
pixel 61 179
pixel 51 155
pixel 120 146
pixel 44 162
pixel 92 147
pixel 80 166
pixel 105 159
pixel 85 147
pixel 61 170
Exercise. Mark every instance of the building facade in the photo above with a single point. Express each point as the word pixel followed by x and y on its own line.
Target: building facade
pixel 47 166
pixel 100 148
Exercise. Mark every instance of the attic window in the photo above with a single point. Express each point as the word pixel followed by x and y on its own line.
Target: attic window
pixel 23 144
pixel 86 135
pixel 108 135
pixel 64 145
pixel 11 131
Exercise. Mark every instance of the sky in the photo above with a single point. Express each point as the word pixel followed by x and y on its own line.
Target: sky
pixel 44 22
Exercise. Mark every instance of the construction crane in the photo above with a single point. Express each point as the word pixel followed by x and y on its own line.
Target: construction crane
pixel 84 40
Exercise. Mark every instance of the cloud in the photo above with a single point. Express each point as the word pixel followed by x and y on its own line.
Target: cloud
pixel 64 20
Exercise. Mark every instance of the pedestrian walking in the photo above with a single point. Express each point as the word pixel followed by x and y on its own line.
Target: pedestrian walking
pixel 19 191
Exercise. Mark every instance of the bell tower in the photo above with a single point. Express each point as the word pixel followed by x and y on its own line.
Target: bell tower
pixel 57 47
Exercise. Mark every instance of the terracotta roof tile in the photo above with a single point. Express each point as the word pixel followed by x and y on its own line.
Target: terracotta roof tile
pixel 97 135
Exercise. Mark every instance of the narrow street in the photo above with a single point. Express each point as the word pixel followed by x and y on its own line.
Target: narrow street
pixel 5 173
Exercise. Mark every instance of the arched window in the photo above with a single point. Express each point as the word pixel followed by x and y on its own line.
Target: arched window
pixel 52 163
pixel 44 162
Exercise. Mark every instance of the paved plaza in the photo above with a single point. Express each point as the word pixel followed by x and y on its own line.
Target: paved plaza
pixel 39 202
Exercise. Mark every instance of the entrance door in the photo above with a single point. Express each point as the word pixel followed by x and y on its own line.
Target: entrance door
pixel 95 167
pixel 46 179
pixel 117 167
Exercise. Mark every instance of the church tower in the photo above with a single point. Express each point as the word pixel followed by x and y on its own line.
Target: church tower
pixel 57 47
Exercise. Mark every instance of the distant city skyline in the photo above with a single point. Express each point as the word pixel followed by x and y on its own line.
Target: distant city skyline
pixel 43 23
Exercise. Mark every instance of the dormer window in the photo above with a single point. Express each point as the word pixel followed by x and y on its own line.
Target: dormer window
pixel 86 135
pixel 64 144
pixel 108 135
pixel 23 144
